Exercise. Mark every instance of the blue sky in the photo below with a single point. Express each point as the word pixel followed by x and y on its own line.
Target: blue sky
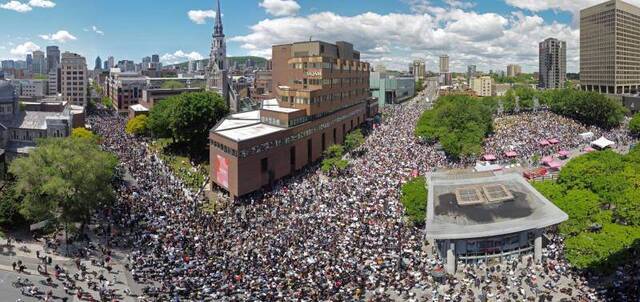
pixel 488 33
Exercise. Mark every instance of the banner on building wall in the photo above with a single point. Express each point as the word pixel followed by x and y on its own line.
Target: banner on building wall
pixel 222 173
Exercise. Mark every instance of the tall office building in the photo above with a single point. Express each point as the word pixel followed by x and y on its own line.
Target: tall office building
pixel 444 64
pixel 553 63
pixel 155 59
pixel 146 59
pixel 53 58
pixel 419 70
pixel 471 73
pixel 29 62
pixel 73 78
pixel 98 65
pixel 39 64
pixel 513 70
pixel 609 48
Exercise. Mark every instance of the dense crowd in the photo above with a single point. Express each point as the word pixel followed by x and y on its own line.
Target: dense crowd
pixel 523 133
pixel 310 238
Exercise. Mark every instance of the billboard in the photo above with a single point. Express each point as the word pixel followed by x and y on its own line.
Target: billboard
pixel 222 172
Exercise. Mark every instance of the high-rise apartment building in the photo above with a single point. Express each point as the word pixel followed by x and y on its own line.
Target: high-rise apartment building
pixel 53 78
pixel 553 64
pixel 53 58
pixel 111 63
pixel 39 64
pixel 29 61
pixel 322 93
pixel 73 78
pixel 513 70
pixel 483 86
pixel 419 70
pixel 609 48
pixel 444 64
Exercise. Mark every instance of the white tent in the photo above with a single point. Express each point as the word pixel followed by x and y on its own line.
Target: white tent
pixel 485 167
pixel 586 135
pixel 602 143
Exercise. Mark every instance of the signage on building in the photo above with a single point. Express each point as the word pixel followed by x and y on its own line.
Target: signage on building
pixel 222 173
pixel 313 73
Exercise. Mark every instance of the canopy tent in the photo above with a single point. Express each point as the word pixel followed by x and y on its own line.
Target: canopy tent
pixel 547 159
pixel 564 153
pixel 555 165
pixel 586 135
pixel 602 143
pixel 544 142
pixel 511 154
pixel 554 141
pixel 489 157
pixel 588 149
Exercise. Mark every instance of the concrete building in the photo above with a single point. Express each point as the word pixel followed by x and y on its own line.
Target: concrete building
pixel 152 96
pixel 609 49
pixel 482 216
pixel 483 86
pixel 444 64
pixel 110 63
pixel 513 70
pixel 19 128
pixel 390 89
pixel 8 64
pixel 124 88
pixel 39 64
pixel 74 79
pixel 126 66
pixel 262 86
pixel 53 58
pixel 553 64
pixel 31 88
pixel 322 92
pixel 419 70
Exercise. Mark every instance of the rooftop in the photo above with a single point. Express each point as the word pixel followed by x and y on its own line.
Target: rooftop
pixel 488 204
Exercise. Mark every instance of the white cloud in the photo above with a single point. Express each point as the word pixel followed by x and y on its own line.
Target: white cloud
pixel 96 30
pixel 573 6
pixel 61 36
pixel 200 16
pixel 487 40
pixel 180 56
pixel 280 8
pixel 42 3
pixel 16 6
pixel 23 49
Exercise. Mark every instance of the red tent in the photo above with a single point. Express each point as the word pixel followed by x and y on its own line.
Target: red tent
pixel 588 149
pixel 489 157
pixel 544 142
pixel 547 159
pixel 554 141
pixel 511 154
pixel 564 153
pixel 555 165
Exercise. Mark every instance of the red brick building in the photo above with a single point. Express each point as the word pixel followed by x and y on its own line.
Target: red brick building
pixel 322 93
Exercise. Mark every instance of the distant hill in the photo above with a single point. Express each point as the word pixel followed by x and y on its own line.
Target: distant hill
pixel 261 62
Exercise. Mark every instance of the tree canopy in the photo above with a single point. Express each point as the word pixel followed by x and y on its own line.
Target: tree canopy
pixel 460 123
pixel 65 178
pixel 333 159
pixel 187 118
pixel 600 192
pixel 414 199
pixel 634 125
pixel 137 125
pixel 353 140
pixel 85 134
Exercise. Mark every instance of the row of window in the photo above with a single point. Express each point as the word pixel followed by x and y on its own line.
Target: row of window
pixel 330 66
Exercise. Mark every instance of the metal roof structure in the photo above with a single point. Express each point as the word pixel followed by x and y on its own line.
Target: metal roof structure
pixel 477 205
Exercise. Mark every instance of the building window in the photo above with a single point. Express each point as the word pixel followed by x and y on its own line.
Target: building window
pixel 264 165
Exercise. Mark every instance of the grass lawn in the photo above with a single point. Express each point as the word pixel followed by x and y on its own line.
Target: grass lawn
pixel 191 175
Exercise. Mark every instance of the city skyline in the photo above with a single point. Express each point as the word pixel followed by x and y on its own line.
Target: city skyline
pixel 393 33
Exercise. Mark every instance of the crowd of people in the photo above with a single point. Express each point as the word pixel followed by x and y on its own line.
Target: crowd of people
pixel 311 237
pixel 524 134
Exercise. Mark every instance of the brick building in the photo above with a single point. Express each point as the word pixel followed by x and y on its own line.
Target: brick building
pixel 322 93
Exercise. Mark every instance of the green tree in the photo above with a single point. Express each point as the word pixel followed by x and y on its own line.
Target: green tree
pixel 9 206
pixel 353 140
pixel 634 125
pixel 414 199
pixel 333 159
pixel 107 102
pixel 85 134
pixel 65 178
pixel 161 118
pixel 137 125
pixel 173 84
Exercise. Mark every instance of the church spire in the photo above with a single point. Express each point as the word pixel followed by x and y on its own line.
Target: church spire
pixel 218 26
